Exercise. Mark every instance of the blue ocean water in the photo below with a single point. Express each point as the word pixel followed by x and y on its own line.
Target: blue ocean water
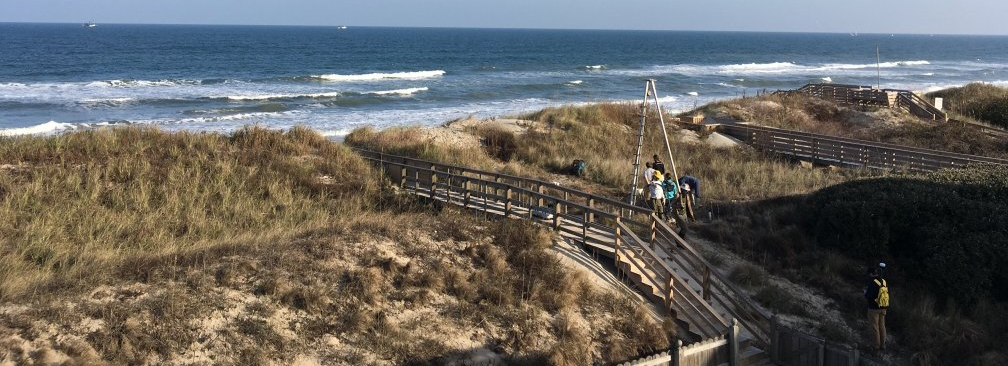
pixel 60 76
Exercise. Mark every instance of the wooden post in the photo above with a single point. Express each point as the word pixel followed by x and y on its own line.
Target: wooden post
pixel 541 203
pixel 507 203
pixel 402 175
pixel 448 191
pixel 530 206
pixel 566 199
pixel 591 205
pixel 416 180
pixel 676 352
pixel 465 183
pixel 556 215
pixel 733 334
pixel 486 199
pixel 821 357
pixel 584 229
pixel 815 150
pixel 706 283
pixel 654 230
pixel 670 294
pixel 618 238
pixel 433 184
pixel 774 340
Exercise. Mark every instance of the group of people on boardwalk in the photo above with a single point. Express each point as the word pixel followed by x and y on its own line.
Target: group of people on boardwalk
pixel 667 196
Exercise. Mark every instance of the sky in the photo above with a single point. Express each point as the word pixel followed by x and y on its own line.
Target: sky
pixel 862 16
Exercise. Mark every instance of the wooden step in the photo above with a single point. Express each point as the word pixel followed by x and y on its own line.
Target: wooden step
pixel 752 356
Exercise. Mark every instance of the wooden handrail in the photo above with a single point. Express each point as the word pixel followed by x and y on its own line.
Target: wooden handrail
pixel 822 147
pixel 599 199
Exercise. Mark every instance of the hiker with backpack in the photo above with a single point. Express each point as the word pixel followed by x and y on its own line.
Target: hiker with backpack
pixel 658 165
pixel 671 192
pixel 877 295
pixel 648 173
pixel 657 196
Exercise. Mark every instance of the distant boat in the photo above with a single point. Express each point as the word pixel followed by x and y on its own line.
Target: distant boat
pixel 90 25
pixel 341 27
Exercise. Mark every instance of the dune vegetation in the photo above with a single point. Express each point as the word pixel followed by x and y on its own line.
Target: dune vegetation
pixel 889 125
pixel 820 228
pixel 133 245
pixel 604 136
pixel 980 102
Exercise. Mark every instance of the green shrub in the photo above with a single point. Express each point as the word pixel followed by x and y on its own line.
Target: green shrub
pixel 946 228
pixel 984 102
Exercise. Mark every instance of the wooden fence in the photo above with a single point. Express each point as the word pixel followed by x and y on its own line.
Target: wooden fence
pixel 848 152
pixel 867 95
pixel 723 350
pixel 795 348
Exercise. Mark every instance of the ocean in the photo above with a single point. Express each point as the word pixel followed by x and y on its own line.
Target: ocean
pixel 56 77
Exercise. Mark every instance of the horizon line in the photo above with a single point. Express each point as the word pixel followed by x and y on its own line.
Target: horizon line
pixel 517 28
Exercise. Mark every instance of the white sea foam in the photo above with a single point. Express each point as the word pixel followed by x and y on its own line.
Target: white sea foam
pixel 409 75
pixel 39 129
pixel 400 92
pixel 283 96
pixel 119 83
pixel 667 99
pixel 575 82
pixel 112 101
pixel 827 79
pixel 595 67
pixel 771 68
pixel 693 94
pixel 260 97
pixel 928 74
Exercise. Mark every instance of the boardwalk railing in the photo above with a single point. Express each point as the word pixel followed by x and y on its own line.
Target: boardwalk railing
pixel 795 348
pixel 722 350
pixel 867 95
pixel 849 152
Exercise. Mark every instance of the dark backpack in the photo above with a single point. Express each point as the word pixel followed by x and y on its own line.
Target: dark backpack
pixel 659 167
pixel 578 167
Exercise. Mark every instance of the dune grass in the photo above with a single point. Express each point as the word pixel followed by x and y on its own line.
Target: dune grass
pixel 977 101
pixel 411 141
pixel 75 206
pixel 134 245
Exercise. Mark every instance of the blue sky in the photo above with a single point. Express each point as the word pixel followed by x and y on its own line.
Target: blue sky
pixel 864 16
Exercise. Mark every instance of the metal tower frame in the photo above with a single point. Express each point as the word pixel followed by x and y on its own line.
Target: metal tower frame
pixel 650 91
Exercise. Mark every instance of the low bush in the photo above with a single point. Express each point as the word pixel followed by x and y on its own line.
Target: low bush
pixel 945 228
pixel 979 101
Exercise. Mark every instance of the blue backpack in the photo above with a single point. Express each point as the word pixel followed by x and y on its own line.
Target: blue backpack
pixel 578 167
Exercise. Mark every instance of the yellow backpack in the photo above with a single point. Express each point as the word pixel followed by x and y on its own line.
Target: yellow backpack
pixel 882 300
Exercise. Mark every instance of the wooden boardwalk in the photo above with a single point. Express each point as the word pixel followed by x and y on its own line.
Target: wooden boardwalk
pixel 847 152
pixel 664 267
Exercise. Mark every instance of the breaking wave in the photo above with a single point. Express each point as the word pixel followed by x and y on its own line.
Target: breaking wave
pixel 409 75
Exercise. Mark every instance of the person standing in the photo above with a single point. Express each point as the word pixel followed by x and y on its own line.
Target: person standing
pixel 658 165
pixel 671 191
pixel 657 195
pixel 877 296
pixel 648 173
